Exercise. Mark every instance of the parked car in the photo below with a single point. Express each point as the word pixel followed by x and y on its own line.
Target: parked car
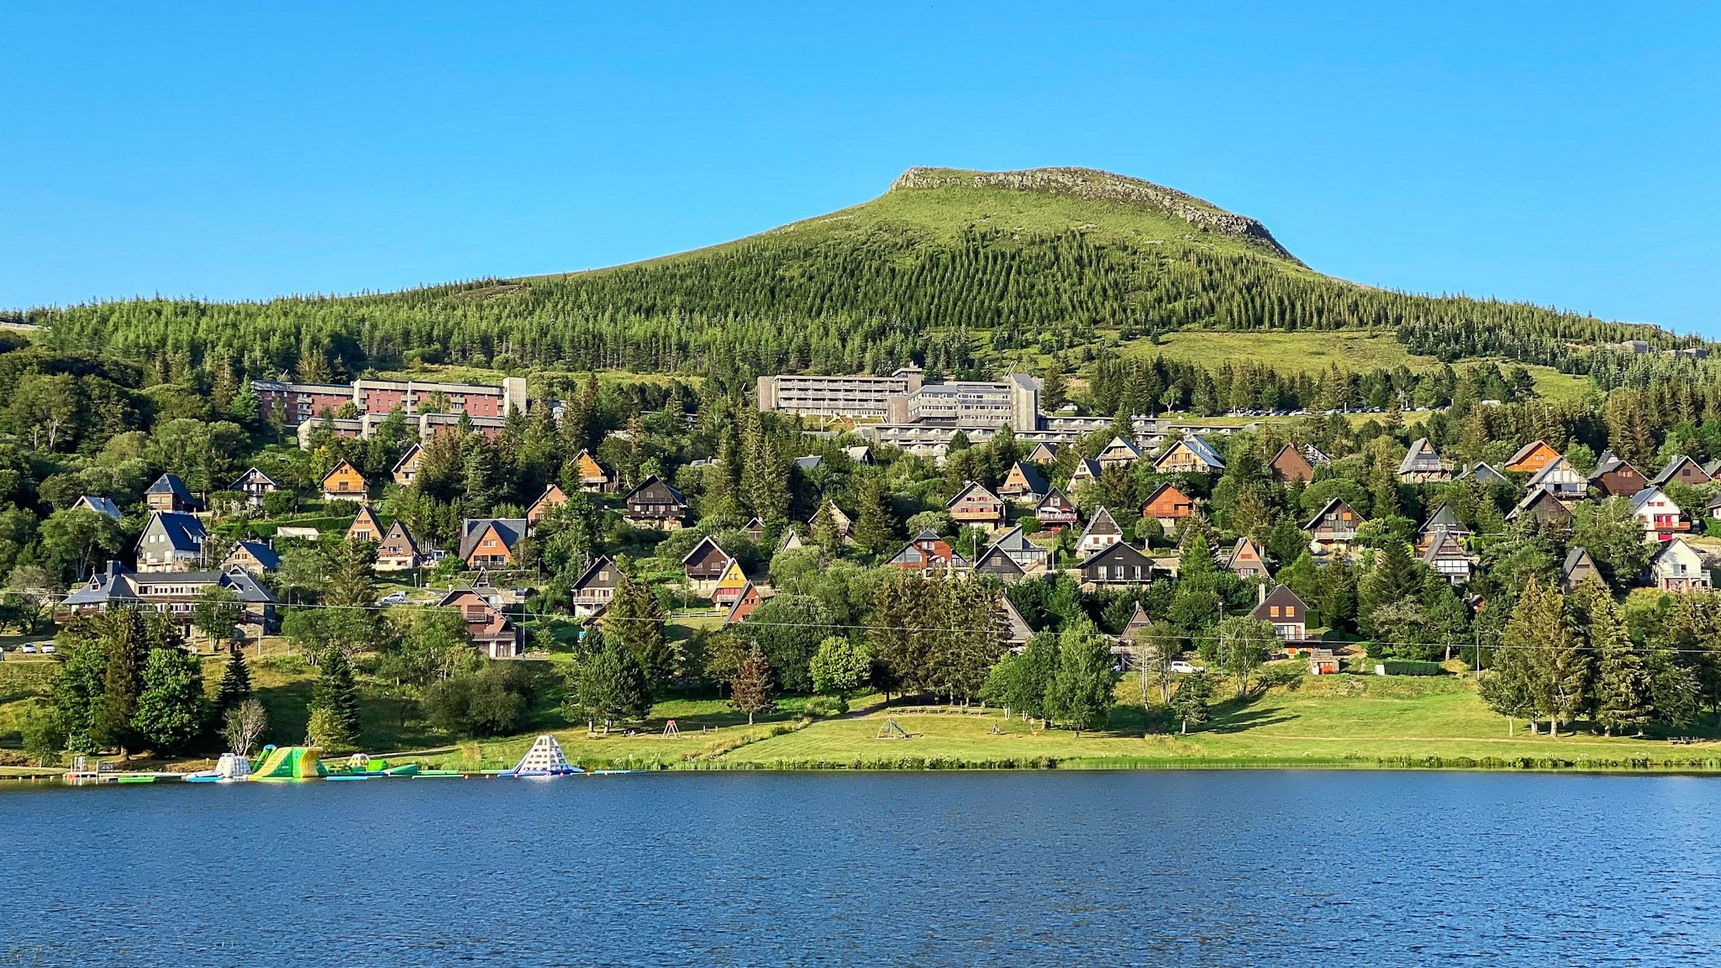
pixel 28 648
pixel 397 598
pixel 48 648
pixel 1184 668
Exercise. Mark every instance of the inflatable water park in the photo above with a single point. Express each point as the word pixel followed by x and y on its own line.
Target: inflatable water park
pixel 296 764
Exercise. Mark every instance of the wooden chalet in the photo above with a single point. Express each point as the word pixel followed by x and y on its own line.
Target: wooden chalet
pixel 254 484
pixel 1015 544
pixel 996 562
pixel 654 504
pixel 489 630
pixel 1119 452
pixel 364 526
pixel 1677 568
pixel 832 516
pixel 1662 519
pixel 1043 453
pixel 1015 629
pixel 1119 564
pixel 1442 519
pixel 1543 508
pixel 977 506
pixel 745 604
pixel 755 529
pixel 398 552
pixel 169 493
pixel 1614 477
pixel 1446 555
pixel 595 587
pixel 1559 478
pixel 1531 457
pixel 1101 533
pixel 1282 609
pixel 1055 511
pixel 730 584
pixel 790 541
pixel 1422 464
pixel 590 475
pixel 1190 455
pixel 1683 470
pixel 405 470
pixel 1138 621
pixel 928 554
pixel 103 506
pixel 706 562
pixel 343 482
pixel 1334 526
pixel 1246 560
pixel 1085 472
pixel 1578 568
pixel 1169 506
pixel 1483 473
pixel 489 542
pixel 1023 484
pixel 251 556
pixel 552 498
pixel 1290 464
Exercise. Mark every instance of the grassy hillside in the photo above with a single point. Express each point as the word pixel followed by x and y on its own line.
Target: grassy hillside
pixel 964 271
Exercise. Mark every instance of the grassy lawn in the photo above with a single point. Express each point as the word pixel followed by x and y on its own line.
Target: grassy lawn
pixel 1289 352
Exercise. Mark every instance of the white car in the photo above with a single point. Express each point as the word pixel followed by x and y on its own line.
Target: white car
pixel 398 598
pixel 27 649
pixel 48 648
pixel 1184 668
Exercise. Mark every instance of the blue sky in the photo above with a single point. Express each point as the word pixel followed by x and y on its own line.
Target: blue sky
pixel 1560 153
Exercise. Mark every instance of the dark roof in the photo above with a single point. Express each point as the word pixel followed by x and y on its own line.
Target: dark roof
pixel 1122 549
pixel 1031 476
pixel 264 554
pixel 707 540
pixel 184 531
pixel 118 583
pixel 655 481
pixel 1281 595
pixel 170 484
pixel 101 505
pixel 589 576
pixel 1574 558
pixel 508 529
pixel 249 473
pixel 1673 467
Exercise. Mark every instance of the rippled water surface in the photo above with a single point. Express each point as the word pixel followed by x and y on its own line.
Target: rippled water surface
pixel 1221 868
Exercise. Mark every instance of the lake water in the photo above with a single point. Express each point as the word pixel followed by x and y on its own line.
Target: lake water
pixel 1219 868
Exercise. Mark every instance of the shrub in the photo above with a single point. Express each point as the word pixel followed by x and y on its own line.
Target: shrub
pixel 822 706
pixel 1411 667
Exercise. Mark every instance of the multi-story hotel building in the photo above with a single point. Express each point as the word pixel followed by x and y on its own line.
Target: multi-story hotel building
pixel 865 397
pixel 297 403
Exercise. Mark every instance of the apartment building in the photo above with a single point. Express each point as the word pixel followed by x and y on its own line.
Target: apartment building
pixel 297 403
pixel 866 397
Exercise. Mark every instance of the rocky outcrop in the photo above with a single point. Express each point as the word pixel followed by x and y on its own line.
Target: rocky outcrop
pixel 1098 186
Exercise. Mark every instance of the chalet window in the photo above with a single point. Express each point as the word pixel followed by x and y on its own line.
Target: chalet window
pixel 1274 611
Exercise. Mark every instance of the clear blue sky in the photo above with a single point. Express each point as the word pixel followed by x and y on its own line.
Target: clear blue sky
pixel 1568 154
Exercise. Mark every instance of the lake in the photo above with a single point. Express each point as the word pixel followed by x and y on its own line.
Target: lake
pixel 1067 868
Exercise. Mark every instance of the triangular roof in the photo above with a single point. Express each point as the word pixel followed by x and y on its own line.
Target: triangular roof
pixel 859 453
pixel 184 531
pixel 705 545
pixel 1676 548
pixel 654 481
pixel 343 463
pixel 809 462
pixel 1443 544
pixel 591 573
pixel 1577 557
pixel 252 473
pixel 1101 524
pixel 732 577
pixel 1201 449
pixel 170 484
pixel 362 522
pixel 1334 506
pixel 839 520
pixel 1119 442
pixel 1138 619
pixel 552 493
pixel 1281 595
pixel 1442 518
pixel 397 537
pixel 265 555
pixel 1030 476
pixel 1316 455
pixel 1649 494
pixel 1015 539
pixel 1242 552
pixel 1555 470
pixel 1122 549
pixel 508 530
pixel 1421 458
pixel 970 488
pixel 1525 452
pixel 1054 498
pixel 411 453
pixel 1086 469
pixel 585 457
pixel 1673 467
pixel 1043 453
pixel 1289 462
pixel 993 553
pixel 1484 473
pixel 749 599
pixel 790 541
pixel 100 505
pixel 1159 491
pixel 1016 628
pixel 1537 500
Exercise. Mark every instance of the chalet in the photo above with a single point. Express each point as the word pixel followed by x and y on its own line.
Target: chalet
pixel 1334 526
pixel 1483 473
pixel 1190 455
pixel 595 587
pixel 1246 561
pixel 1102 532
pixel 1120 564
pixel 1422 464
pixel 1168 506
pixel 831 516
pixel 591 476
pixel 169 493
pixel 254 484
pixel 1541 507
pixel 1119 453
pixel 405 470
pixel 101 505
pixel 490 542
pixel 1578 568
pixel 1290 464
pixel 344 483
pixel 859 453
pixel 364 527
pixel 488 629
pixel 1661 518
pixel 173 594
pixel 1055 511
pixel 654 504
pixel 1559 478
pixel 729 586
pixel 251 556
pixel 755 529
pixel 1138 621
pixel 1677 568
pixel 171 541
pixel 1016 545
pixel 790 541
pixel 1086 472
pixel 552 498
pixel 745 604
pixel 1447 557
pixel 928 554
pixel 1315 455
pixel 1714 507
pixel 706 562
pixel 1442 518
pixel 1282 609
pixel 996 562
pixel 809 463
pixel 1531 457
pixel 1023 484
pixel 1015 628
pixel 1614 477
pixel 397 552
pixel 1683 470
pixel 1043 453
pixel 976 505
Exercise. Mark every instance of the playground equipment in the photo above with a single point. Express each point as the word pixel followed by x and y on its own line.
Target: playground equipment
pixel 289 763
pixel 890 730
pixel 360 766
pixel 232 768
pixel 543 761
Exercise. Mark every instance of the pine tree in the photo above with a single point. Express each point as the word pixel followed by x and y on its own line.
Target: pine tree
pixel 125 641
pixel 1392 579
pixel 1191 701
pixel 336 697
pixel 235 684
pixel 875 524
pixel 635 620
pixel 1196 567
pixel 1622 696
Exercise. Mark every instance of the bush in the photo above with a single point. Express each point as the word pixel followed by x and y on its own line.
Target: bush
pixel 279 503
pixel 1411 667
pixel 818 707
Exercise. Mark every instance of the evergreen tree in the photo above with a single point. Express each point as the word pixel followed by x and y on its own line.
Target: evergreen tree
pixel 235 684
pixel 1622 694
pixel 125 643
pixel 609 685
pixel 1192 700
pixel 875 524
pixel 171 709
pixel 1392 579
pixel 636 621
pixel 1195 564
pixel 336 697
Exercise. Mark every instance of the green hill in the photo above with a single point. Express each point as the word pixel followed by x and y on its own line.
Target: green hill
pixel 967 272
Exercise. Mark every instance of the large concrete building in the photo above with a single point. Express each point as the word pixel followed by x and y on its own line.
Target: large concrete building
pixel 1013 403
pixel 861 397
pixel 297 403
